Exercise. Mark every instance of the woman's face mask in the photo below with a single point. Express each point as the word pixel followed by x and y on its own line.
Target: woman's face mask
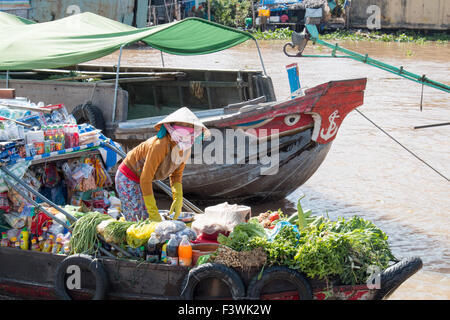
pixel 183 136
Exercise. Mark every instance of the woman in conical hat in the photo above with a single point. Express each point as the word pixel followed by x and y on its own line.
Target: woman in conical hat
pixel 160 157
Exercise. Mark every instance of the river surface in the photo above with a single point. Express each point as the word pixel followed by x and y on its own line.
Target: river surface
pixel 366 173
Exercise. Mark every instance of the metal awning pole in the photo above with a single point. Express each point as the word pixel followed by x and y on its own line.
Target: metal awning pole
pixel 7 79
pixel 162 59
pixel 116 89
pixel 37 205
pixel 37 194
pixel 54 218
pixel 260 57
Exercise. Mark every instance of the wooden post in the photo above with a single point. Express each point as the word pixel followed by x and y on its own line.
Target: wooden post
pixel 253 14
pixel 150 18
pixel 142 13
pixel 209 10
pixel 167 11
pixel 155 21
pixel 177 10
pixel 208 89
pixel 347 16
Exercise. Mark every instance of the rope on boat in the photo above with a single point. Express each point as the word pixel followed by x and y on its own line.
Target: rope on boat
pixel 399 143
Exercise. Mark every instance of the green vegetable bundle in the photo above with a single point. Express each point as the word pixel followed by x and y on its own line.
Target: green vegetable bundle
pixel 336 251
pixel 242 233
pixel 327 250
pixel 342 249
pixel 116 232
pixel 84 234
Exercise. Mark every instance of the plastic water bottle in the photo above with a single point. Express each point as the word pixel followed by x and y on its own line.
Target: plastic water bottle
pixel 185 252
pixel 172 250
pixel 152 249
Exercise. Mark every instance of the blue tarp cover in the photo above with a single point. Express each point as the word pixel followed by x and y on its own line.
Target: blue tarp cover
pixel 269 2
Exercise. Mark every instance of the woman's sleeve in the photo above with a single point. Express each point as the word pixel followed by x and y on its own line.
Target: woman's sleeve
pixel 177 175
pixel 155 155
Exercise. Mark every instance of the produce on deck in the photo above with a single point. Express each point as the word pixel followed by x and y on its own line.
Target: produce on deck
pixel 138 234
pixel 85 235
pixel 338 251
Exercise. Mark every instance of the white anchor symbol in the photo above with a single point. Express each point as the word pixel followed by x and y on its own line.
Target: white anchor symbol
pixel 332 129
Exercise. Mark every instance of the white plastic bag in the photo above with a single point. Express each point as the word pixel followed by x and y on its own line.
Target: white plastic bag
pixel 166 228
pixel 220 218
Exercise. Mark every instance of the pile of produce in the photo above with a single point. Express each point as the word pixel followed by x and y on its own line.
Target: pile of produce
pixel 242 233
pixel 130 236
pixel 269 219
pixel 338 252
pixel 116 232
pixel 244 260
pixel 84 234
pixel 138 234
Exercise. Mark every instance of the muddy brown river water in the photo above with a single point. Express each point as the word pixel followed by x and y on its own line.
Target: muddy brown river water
pixel 366 173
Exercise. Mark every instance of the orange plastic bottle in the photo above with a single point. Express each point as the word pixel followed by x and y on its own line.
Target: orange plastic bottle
pixel 185 252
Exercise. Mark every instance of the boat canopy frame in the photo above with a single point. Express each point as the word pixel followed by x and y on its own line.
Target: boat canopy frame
pixel 87 36
pixel 300 40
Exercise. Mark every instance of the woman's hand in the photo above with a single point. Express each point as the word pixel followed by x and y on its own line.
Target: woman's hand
pixel 177 204
pixel 152 209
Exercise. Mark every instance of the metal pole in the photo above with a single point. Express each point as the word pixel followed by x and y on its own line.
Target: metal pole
pixel 162 59
pixel 37 205
pixel 117 84
pixel 37 194
pixel 433 125
pixel 7 79
pixel 186 203
pixel 260 57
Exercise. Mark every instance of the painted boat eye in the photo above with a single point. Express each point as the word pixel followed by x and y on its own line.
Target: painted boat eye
pixel 292 119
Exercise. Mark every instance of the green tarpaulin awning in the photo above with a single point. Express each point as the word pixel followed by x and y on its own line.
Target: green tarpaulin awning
pixel 87 36
pixel 8 20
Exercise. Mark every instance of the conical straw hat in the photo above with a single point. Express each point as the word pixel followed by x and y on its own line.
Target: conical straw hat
pixel 183 115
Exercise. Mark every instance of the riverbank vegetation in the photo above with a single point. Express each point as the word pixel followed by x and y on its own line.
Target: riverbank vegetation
pixel 362 35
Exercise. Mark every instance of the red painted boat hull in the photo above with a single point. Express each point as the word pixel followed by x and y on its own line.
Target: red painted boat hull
pixel 307 127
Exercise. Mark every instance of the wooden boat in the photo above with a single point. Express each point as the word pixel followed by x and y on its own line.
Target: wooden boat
pixel 130 100
pixel 307 126
pixel 303 123
pixel 107 278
